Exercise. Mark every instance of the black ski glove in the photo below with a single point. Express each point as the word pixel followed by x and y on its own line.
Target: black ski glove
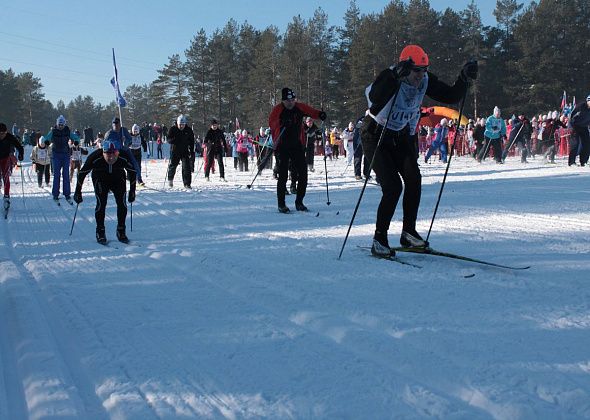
pixel 469 71
pixel 20 157
pixel 78 197
pixel 404 68
pixel 323 116
pixel 131 197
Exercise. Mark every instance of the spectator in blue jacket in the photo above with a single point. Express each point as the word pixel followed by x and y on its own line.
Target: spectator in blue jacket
pixel 441 132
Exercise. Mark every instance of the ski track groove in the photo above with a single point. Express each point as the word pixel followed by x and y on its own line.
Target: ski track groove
pixel 73 313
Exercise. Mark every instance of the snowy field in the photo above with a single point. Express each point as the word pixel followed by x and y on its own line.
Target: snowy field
pixel 223 308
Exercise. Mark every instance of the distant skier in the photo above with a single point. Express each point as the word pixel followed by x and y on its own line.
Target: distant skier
pixel 581 139
pixel 286 123
pixel 441 132
pixel 182 147
pixel 494 134
pixel 8 143
pixel 109 169
pixel 41 158
pixel 59 136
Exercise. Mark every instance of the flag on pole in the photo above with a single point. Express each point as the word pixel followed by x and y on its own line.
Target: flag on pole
pixel 115 83
pixel 237 124
pixel 563 100
pixel 574 103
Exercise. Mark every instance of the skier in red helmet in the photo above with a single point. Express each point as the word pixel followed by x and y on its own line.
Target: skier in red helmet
pixel 407 83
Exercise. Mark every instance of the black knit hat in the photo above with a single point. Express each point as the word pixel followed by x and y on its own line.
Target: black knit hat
pixel 287 93
pixel 214 121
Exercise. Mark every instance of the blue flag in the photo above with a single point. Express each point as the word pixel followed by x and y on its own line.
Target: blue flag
pixel 115 83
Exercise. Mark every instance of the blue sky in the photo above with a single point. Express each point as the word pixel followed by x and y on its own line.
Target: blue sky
pixel 68 43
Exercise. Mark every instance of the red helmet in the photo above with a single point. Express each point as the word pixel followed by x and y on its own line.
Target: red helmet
pixel 416 53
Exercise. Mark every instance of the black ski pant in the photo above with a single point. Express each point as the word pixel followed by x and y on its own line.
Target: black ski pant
pixel 296 154
pixel 310 154
pixel 495 144
pixel 101 191
pixel 358 162
pixel 395 160
pixel 42 170
pixel 175 159
pixel 213 153
pixel 579 141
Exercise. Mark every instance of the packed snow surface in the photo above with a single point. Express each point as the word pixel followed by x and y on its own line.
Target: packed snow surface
pixel 221 307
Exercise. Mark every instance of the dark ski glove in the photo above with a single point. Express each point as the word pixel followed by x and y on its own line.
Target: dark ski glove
pixel 323 116
pixel 131 197
pixel 78 197
pixel 20 157
pixel 404 68
pixel 469 71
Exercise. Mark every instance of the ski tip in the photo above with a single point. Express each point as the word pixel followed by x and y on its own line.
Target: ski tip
pixel 468 276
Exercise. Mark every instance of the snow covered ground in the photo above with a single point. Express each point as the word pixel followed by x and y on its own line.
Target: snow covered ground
pixel 223 308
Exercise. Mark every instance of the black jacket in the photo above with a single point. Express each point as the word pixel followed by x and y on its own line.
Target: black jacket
pixel 216 139
pixel 581 116
pixel 182 142
pixel 107 174
pixel 8 144
pixel 387 83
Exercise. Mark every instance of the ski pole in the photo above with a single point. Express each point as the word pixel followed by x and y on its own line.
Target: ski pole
pixel 326 166
pixel 22 177
pixel 131 208
pixel 448 165
pixel 358 203
pixel 486 149
pixel 74 219
pixel 249 186
pixel 507 150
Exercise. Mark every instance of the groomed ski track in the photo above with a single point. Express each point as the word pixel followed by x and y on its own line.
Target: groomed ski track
pixel 223 308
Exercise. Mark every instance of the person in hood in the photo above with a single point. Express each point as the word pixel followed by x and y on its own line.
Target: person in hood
pixel 41 158
pixel 135 144
pixel 494 133
pixel 389 136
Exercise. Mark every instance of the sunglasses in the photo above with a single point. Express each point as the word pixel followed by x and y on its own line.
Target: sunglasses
pixel 420 69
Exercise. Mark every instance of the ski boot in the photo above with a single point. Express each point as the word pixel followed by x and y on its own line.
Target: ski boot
pixel 121 236
pixel 100 236
pixel 284 209
pixel 301 207
pixel 381 246
pixel 411 239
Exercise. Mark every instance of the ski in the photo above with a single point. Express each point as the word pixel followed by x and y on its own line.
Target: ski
pixel 393 259
pixel 430 251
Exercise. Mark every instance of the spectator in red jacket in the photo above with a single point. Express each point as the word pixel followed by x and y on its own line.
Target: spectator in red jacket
pixel 286 123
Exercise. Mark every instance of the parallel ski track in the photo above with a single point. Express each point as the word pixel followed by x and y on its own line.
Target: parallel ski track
pixel 59 328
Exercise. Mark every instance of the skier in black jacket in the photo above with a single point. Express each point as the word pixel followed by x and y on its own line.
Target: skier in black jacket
pixel 408 82
pixel 216 147
pixel 108 174
pixel 182 149
pixel 8 143
pixel 580 121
